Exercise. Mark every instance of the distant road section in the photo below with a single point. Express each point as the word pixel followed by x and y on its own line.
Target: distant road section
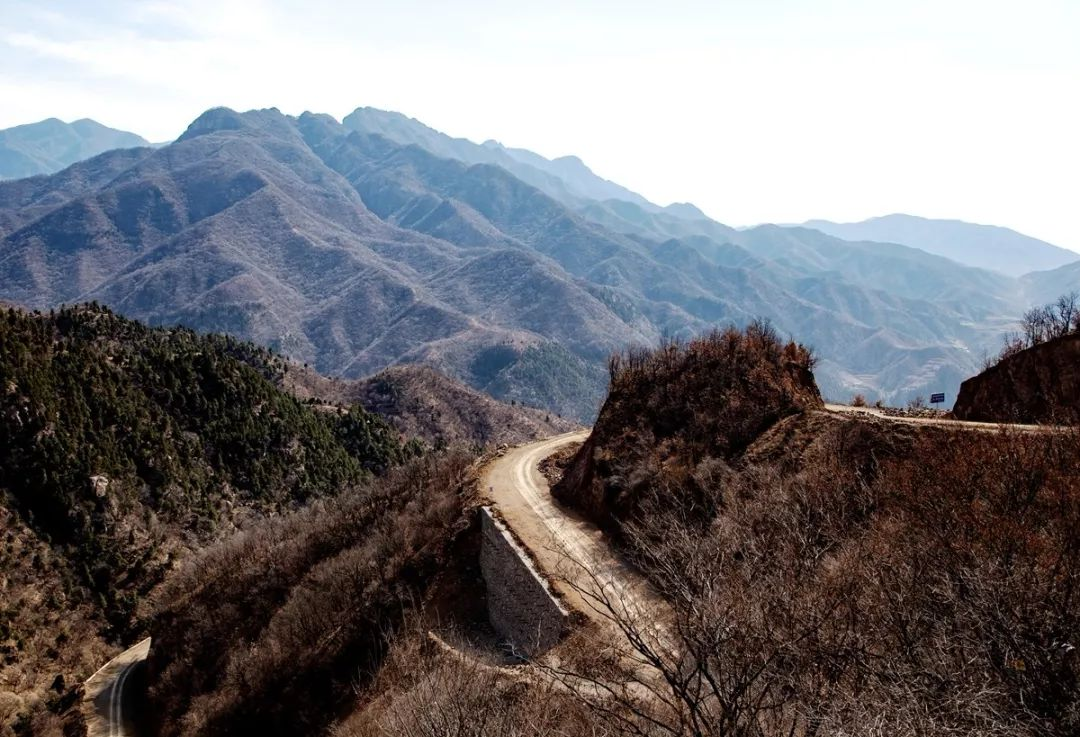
pixel 106 706
pixel 845 409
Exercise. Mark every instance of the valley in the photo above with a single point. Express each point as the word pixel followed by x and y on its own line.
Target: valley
pixel 539 369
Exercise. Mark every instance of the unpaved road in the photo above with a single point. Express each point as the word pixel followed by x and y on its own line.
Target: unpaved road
pixel 845 409
pixel 105 704
pixel 569 549
pixel 573 552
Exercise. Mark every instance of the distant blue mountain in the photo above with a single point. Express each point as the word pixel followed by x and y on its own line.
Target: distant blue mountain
pixel 51 145
pixel 984 246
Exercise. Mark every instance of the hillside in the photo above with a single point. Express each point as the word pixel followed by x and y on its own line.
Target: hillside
pixel 984 246
pixel 1039 385
pixel 51 145
pixel 273 631
pixel 351 252
pixel 566 179
pixel 419 402
pixel 711 397
pixel 122 449
pixel 831 574
pixel 1043 286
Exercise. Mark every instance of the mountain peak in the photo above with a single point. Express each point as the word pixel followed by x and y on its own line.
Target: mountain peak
pixel 49 145
pixel 213 120
pixel 216 119
pixel 686 210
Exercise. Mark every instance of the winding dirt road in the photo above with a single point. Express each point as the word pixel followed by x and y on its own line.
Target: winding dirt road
pixel 844 409
pixel 105 704
pixel 568 548
pixel 572 551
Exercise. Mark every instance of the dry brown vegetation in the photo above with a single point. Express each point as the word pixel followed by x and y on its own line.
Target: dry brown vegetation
pixel 1041 325
pixel 266 633
pixel 50 632
pixel 427 690
pixel 422 403
pixel 1035 379
pixel 838 576
pixel 709 397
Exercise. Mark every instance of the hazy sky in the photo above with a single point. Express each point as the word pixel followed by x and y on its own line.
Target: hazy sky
pixel 756 110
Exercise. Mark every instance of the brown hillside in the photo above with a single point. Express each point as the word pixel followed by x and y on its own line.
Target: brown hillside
pixel 668 409
pixel 420 402
pixel 1038 385
pixel 831 574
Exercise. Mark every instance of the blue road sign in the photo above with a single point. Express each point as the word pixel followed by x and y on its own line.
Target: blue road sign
pixel 937 398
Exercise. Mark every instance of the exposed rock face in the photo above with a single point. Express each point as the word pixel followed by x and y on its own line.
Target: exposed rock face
pixel 1038 385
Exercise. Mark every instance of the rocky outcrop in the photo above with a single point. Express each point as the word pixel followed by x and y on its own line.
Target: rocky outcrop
pixel 1038 385
pixel 521 606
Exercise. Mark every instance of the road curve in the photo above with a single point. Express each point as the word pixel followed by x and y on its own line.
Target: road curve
pixel 105 704
pixel 573 552
pixel 568 548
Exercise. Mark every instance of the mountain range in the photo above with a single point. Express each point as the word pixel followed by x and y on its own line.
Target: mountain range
pixel 50 145
pixel 985 246
pixel 378 241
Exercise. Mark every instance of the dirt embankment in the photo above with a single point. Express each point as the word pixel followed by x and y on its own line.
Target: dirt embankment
pixel 1037 385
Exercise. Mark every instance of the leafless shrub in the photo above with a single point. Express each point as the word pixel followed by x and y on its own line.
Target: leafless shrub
pixel 924 588
pixel 260 630
pixel 1040 325
pixel 427 691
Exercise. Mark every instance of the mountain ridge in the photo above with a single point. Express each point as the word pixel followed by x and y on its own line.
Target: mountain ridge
pixel 353 252
pixel 986 246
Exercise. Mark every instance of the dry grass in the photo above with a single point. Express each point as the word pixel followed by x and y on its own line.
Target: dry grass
pixel 869 582
pixel 264 633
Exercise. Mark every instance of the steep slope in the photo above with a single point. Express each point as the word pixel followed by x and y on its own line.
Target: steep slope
pixel 984 246
pixel 122 448
pixel 710 397
pixel 352 252
pixel 239 227
pixel 422 403
pixel 1038 385
pixel 828 574
pixel 824 297
pixel 52 145
pixel 567 179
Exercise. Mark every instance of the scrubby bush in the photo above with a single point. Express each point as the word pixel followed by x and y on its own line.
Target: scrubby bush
pixel 672 406
pixel 870 580
pixel 1040 325
pixel 267 632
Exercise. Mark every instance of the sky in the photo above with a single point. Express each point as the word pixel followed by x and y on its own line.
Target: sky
pixel 755 110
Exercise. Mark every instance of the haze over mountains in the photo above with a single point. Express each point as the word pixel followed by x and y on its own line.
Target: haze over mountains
pixel 377 241
pixel 984 246
pixel 51 145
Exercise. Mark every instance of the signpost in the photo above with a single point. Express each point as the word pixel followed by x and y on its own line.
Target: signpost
pixel 937 398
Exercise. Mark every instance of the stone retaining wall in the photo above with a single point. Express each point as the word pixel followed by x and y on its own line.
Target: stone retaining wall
pixel 521 606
